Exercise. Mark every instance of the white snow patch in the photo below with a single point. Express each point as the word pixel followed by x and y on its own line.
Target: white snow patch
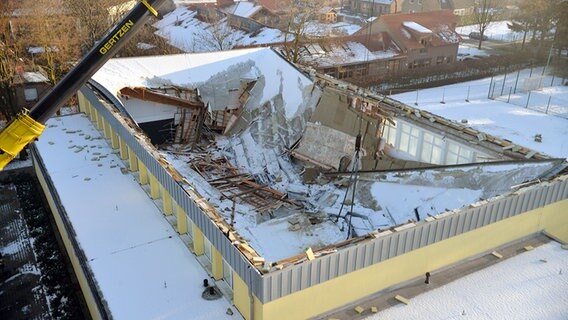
pixel 522 287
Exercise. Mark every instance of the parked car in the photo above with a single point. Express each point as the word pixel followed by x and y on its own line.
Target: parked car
pixel 477 36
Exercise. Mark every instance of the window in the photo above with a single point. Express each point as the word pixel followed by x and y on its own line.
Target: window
pixel 457 154
pixel 30 94
pixel 207 246
pixel 423 50
pixel 390 134
pixel 432 148
pixel 190 229
pixel 227 274
pixel 409 139
pixel 439 60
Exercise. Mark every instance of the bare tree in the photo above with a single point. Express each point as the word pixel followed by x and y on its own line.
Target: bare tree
pixel 55 32
pixel 295 29
pixel 539 17
pixel 561 35
pixel 217 35
pixel 484 12
pixel 92 19
pixel 9 57
pixel 146 42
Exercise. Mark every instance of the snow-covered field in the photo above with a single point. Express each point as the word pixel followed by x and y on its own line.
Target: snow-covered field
pixel 497 30
pixel 532 285
pixel 511 120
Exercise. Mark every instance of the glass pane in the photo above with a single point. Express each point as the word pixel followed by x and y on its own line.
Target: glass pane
pixel 436 155
pixel 30 94
pixel 413 146
pixel 426 153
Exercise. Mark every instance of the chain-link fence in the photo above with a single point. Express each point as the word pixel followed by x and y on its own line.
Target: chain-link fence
pixel 531 93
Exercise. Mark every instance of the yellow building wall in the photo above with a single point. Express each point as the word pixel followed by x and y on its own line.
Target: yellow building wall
pixel 181 218
pixel 356 285
pixel 198 245
pixel 241 299
pixel 83 283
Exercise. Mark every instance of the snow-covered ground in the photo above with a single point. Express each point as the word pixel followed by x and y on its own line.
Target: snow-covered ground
pixel 497 30
pixel 511 120
pixel 469 50
pixel 532 285
pixel 141 266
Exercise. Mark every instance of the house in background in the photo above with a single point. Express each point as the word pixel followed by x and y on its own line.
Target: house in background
pixel 369 8
pixel 427 38
pixel 462 7
pixel 354 56
pixel 327 15
pixel 30 87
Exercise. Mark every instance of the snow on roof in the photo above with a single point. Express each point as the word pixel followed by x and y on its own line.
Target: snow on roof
pixel 345 53
pixel 382 200
pixel 531 285
pixel 214 74
pixel 438 23
pixel 244 9
pixel 34 77
pixel 185 31
pixel 416 27
pixel 318 29
pixel 380 203
pixel 141 266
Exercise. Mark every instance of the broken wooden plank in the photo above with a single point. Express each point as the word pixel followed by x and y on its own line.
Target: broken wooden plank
pixel 497 255
pixel 359 309
pixel 402 299
pixel 310 254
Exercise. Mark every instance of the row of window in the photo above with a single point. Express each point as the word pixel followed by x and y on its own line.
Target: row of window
pixel 227 270
pixel 425 146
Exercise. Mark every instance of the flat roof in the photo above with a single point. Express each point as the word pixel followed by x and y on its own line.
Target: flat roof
pixel 141 266
pixel 531 285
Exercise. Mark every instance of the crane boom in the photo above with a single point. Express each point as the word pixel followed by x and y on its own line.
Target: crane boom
pixel 27 126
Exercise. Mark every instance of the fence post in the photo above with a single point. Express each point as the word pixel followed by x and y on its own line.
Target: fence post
pixel 443 96
pixel 490 85
pixel 517 81
pixel 416 102
pixel 509 98
pixel 528 99
pixel 467 98
pixel 548 104
pixel 504 80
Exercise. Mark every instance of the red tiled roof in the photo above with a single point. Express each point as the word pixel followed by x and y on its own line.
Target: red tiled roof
pixel 442 24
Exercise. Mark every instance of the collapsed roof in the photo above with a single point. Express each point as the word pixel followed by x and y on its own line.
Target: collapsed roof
pixel 288 174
